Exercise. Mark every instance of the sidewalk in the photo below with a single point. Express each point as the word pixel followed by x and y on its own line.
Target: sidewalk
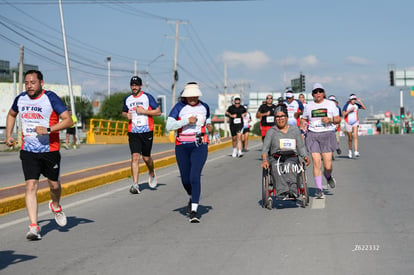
pixel 13 198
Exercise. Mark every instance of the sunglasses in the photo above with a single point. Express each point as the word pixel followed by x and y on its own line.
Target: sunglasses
pixel 269 98
pixel 280 116
pixel 317 91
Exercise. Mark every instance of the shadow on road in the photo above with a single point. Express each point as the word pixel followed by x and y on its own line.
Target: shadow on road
pixel 51 224
pixel 7 257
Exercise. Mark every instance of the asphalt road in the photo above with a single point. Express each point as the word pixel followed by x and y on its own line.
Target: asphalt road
pixel 364 226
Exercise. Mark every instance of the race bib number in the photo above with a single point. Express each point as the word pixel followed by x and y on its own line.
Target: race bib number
pixel 287 143
pixel 270 119
pixel 29 129
pixel 139 120
pixel 319 113
pixel 237 120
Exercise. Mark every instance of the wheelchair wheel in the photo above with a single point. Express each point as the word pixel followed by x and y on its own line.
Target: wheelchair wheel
pixel 305 199
pixel 265 188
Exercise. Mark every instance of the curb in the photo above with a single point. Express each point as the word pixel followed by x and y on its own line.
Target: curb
pixel 17 202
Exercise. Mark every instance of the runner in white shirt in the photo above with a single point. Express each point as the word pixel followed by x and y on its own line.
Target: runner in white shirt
pixel 350 113
pixel 294 108
pixel 322 115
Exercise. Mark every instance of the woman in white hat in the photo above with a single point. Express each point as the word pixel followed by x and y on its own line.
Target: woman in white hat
pixel 191 118
pixel 351 116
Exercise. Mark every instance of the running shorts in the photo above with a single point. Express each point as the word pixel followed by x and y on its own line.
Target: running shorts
pixel 234 129
pixel 141 143
pixel 321 142
pixel 36 164
pixel 348 127
pixel 71 131
pixel 263 130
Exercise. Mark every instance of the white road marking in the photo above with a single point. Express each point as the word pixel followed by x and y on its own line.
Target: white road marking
pixel 317 203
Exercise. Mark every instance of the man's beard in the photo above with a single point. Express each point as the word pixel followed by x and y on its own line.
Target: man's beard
pixel 36 94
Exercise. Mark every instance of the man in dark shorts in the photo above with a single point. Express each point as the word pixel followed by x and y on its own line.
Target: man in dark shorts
pixel 266 114
pixel 71 131
pixel 39 112
pixel 139 108
pixel 236 112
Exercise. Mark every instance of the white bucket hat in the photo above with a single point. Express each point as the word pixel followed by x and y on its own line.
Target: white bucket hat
pixel 191 89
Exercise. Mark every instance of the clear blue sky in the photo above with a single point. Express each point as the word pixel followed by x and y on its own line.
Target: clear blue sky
pixel 345 45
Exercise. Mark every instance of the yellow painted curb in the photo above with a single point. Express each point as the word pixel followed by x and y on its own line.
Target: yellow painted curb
pixel 17 202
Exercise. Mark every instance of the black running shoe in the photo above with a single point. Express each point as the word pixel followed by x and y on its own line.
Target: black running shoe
pixel 189 207
pixel 338 151
pixel 319 194
pixel 332 182
pixel 194 217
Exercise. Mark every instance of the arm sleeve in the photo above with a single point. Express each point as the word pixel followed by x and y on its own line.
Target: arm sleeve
pixel 300 145
pixel 124 106
pixel 57 103
pixel 173 124
pixel 267 142
pixel 152 102
pixel 14 106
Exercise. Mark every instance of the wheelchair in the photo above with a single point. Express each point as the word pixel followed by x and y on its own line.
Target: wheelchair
pixel 269 188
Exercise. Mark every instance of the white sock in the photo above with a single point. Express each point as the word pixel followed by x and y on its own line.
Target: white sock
pixel 194 207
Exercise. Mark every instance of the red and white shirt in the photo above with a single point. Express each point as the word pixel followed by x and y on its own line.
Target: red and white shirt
pixel 41 111
pixel 140 123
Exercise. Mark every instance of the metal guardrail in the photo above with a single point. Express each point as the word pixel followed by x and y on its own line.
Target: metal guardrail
pixel 102 127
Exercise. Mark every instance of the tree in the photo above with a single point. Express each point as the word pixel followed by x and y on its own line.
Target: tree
pixel 111 108
pixel 83 108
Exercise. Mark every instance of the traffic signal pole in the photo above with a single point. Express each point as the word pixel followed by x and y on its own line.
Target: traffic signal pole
pixel 402 115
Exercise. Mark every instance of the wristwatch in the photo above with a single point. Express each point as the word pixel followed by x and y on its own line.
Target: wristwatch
pixel 48 130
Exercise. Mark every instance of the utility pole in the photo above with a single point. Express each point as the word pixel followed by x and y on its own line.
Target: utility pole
pixel 19 129
pixel 108 59
pixel 72 103
pixel 175 72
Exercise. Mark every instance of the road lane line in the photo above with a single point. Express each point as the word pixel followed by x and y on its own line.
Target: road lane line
pixel 318 203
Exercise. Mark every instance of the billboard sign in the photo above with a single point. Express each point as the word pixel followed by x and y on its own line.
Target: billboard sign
pixel 404 78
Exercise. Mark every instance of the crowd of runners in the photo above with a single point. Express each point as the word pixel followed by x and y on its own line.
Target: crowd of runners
pixel 309 129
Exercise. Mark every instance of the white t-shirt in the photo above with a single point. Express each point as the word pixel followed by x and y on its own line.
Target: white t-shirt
pixel 314 112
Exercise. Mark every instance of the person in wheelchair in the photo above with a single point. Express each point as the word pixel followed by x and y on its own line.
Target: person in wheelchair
pixel 282 147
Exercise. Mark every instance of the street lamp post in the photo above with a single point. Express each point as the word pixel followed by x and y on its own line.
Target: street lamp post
pixel 108 59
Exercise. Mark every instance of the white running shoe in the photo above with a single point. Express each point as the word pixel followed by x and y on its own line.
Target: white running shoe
pixel 152 181
pixel 234 153
pixel 356 154
pixel 134 189
pixel 34 233
pixel 60 217
pixel 240 154
pixel 350 154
